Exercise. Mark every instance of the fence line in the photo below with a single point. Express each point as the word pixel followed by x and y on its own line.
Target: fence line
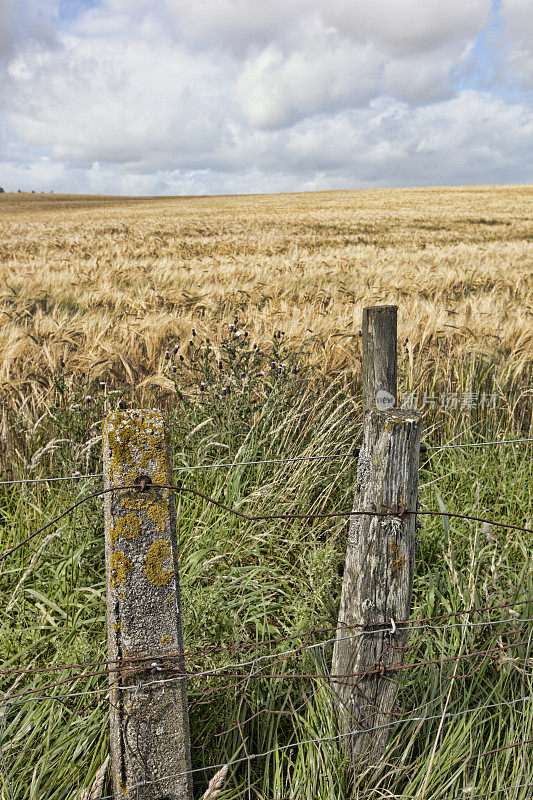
pixel 254 756
pixel 228 465
pixel 215 672
pixel 142 485
pixel 293 651
pixel 382 657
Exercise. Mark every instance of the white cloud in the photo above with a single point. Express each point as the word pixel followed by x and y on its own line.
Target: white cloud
pixel 26 23
pixel 162 96
pixel 517 17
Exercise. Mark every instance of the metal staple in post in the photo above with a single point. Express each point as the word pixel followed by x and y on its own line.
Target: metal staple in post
pixel 148 717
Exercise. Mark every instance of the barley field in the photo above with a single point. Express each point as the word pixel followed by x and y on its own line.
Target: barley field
pixel 240 316
pixel 108 284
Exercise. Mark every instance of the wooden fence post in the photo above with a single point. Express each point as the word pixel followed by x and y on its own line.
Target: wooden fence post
pixel 148 712
pixel 379 568
pixel 379 357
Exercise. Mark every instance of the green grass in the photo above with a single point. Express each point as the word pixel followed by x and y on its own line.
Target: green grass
pixel 250 582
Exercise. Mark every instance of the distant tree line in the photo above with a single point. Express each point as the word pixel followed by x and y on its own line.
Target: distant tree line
pixel 19 191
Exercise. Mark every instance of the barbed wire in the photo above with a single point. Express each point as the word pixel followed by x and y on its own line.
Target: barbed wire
pixel 15 699
pixel 354 732
pixel 406 717
pixel 188 654
pixel 228 465
pixel 377 669
pixel 145 483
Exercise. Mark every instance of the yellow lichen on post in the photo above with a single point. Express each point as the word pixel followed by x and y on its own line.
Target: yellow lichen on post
pixel 158 514
pixel 143 627
pixel 120 566
pixel 153 566
pixel 128 526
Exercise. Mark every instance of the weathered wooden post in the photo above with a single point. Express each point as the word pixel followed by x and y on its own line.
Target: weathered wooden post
pixel 379 568
pixel 148 712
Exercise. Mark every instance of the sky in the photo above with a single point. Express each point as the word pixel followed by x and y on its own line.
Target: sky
pixel 176 97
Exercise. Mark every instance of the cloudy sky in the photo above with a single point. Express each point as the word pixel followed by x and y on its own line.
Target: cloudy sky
pixel 224 96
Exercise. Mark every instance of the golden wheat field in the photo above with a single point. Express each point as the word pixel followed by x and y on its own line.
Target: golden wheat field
pixel 106 284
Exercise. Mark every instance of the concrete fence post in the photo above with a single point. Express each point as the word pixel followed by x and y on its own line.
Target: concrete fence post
pixel 148 712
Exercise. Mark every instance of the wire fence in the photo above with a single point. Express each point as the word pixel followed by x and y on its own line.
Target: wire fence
pixel 400 511
pixel 508 645
pixel 325 679
pixel 76 477
pixel 510 632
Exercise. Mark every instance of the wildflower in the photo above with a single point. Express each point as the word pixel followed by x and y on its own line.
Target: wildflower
pixel 176 348
pixel 76 475
pixel 174 368
pixel 167 355
pixel 102 384
pixel 237 334
pixel 193 332
pixel 232 326
pixel 360 332
pixel 182 358
pixel 191 342
pixel 202 386
pixel 88 398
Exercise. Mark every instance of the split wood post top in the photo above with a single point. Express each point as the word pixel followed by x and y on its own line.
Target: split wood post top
pixel 148 713
pixel 379 334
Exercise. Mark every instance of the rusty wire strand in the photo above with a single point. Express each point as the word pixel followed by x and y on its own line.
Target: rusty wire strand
pixel 380 669
pixel 400 512
pixel 191 654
